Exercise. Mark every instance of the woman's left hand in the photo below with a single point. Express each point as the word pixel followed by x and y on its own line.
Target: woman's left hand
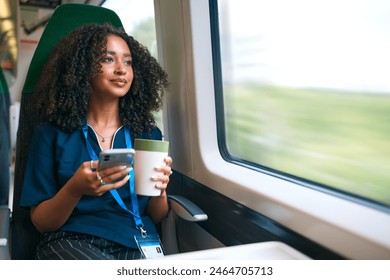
pixel 162 180
pixel 158 205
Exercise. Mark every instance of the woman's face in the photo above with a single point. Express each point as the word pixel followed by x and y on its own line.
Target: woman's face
pixel 116 73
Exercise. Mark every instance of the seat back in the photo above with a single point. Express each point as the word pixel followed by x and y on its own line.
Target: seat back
pixel 5 146
pixel 65 19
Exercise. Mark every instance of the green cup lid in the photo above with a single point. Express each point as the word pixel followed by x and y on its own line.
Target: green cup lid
pixel 151 145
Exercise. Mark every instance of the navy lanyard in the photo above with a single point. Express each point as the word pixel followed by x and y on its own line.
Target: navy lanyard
pixel 114 192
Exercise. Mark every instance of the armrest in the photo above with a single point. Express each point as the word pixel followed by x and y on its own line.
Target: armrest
pixel 4 232
pixel 186 209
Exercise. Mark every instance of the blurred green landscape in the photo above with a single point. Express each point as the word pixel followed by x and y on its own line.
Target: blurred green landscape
pixel 340 139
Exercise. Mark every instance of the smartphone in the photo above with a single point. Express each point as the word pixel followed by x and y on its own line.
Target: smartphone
pixel 115 157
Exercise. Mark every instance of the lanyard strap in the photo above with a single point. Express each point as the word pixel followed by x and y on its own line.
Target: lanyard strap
pixel 114 192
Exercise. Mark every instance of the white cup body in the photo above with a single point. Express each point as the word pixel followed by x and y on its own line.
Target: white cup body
pixel 145 163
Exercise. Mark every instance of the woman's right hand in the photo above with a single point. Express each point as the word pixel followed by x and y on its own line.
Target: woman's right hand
pixel 88 181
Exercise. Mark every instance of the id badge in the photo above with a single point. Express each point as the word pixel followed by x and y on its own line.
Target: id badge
pixel 149 246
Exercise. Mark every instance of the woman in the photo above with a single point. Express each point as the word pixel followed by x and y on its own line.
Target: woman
pixel 97 91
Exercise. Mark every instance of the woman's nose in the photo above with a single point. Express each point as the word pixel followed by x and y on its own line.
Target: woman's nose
pixel 120 70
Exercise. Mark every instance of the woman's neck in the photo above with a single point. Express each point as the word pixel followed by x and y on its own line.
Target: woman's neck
pixel 105 123
pixel 104 117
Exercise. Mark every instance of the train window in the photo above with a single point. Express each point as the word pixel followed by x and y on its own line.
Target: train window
pixel 306 91
pixel 138 19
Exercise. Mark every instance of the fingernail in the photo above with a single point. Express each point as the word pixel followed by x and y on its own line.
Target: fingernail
pixel 154 177
pixel 158 168
pixel 123 167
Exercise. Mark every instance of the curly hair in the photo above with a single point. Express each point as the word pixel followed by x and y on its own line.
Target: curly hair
pixel 64 89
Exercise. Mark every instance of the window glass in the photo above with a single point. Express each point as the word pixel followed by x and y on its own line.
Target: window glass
pixel 138 19
pixel 306 90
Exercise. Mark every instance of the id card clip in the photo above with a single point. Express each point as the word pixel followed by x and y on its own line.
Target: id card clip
pixel 143 232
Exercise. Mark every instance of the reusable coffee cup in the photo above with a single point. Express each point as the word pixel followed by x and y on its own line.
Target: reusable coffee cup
pixel 148 155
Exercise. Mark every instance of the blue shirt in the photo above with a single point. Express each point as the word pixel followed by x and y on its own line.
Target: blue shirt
pixel 54 157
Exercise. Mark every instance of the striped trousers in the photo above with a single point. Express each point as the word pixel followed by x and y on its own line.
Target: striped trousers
pixel 77 246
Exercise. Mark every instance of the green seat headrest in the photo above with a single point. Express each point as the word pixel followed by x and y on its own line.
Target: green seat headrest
pixel 3 83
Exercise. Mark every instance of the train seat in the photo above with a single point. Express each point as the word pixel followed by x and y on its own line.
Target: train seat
pixel 5 162
pixel 66 17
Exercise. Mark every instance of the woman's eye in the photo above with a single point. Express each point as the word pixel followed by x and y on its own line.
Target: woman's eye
pixel 107 59
pixel 128 62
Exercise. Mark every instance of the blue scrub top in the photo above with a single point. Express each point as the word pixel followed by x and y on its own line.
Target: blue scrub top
pixel 54 157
